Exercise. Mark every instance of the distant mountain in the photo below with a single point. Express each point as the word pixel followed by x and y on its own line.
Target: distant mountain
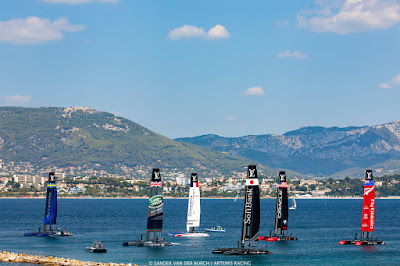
pixel 85 141
pixel 318 151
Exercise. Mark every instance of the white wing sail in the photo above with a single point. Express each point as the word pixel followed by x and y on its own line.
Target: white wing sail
pixel 193 214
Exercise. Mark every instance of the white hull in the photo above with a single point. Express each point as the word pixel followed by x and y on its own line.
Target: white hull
pixel 189 234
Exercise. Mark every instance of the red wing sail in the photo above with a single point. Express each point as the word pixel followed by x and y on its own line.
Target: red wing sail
pixel 368 213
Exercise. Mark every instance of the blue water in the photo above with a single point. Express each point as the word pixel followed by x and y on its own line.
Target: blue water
pixel 319 225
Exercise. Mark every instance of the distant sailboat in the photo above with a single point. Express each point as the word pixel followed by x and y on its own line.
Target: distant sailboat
pixel 193 213
pixel 251 220
pixel 368 215
pixel 281 213
pixel 50 215
pixel 294 205
pixel 155 216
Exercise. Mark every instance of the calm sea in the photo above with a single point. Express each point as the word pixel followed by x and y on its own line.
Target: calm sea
pixel 319 225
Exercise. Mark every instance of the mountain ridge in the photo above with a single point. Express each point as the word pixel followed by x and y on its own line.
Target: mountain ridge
pixel 318 151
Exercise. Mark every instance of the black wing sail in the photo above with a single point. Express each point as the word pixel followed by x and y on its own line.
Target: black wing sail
pixel 155 214
pixel 282 208
pixel 251 212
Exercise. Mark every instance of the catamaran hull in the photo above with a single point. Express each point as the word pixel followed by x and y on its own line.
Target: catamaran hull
pixel 149 244
pixel 189 234
pixel 240 251
pixel 211 230
pixel 277 238
pixel 361 242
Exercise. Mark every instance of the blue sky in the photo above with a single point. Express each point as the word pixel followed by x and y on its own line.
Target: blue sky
pixel 186 68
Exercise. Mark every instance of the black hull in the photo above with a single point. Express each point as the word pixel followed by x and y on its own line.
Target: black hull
pixel 361 242
pixel 277 238
pixel 240 251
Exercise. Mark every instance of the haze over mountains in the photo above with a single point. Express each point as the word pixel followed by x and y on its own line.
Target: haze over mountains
pixel 317 151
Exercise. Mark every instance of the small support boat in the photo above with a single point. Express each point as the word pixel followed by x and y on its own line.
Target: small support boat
pixel 368 216
pixel 217 228
pixel 97 247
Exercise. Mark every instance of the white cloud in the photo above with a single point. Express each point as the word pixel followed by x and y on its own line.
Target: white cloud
pixel 385 86
pixel 74 2
pixel 230 118
pixel 191 32
pixel 395 81
pixel 186 32
pixel 254 91
pixel 17 99
pixel 294 54
pixel 35 30
pixel 218 32
pixel 350 16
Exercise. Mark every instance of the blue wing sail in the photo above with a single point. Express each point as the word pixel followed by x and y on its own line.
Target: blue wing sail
pixel 50 216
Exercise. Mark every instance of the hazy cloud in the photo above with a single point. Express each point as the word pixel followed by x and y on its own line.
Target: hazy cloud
pixel 230 118
pixel 395 81
pixel 35 30
pixel 294 54
pixel 254 91
pixel 350 16
pixel 385 86
pixel 191 32
pixel 17 99
pixel 74 2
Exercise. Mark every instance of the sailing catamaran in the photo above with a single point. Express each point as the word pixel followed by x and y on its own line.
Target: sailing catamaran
pixel 294 205
pixel 193 214
pixel 50 215
pixel 368 215
pixel 251 219
pixel 281 213
pixel 155 216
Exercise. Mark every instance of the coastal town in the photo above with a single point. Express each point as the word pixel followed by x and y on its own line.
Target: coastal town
pixel 176 184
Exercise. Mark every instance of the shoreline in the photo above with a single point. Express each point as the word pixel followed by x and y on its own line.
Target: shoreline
pixel 208 198
pixel 21 257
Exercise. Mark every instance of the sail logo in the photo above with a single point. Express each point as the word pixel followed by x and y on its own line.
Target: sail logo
pixel 279 209
pixel 52 178
pixel 368 190
pixel 157 175
pixel 248 206
pixel 282 177
pixel 194 177
pixel 155 201
pixel 252 172
pixel 369 175
pixel 372 215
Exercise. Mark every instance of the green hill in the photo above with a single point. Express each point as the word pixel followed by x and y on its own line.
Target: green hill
pixel 85 141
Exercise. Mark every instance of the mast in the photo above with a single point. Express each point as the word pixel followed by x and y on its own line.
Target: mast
pixel 251 211
pixel 50 214
pixel 155 213
pixel 193 214
pixel 282 209
pixel 368 213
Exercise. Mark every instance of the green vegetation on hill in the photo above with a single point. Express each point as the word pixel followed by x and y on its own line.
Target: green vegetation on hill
pixel 88 140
